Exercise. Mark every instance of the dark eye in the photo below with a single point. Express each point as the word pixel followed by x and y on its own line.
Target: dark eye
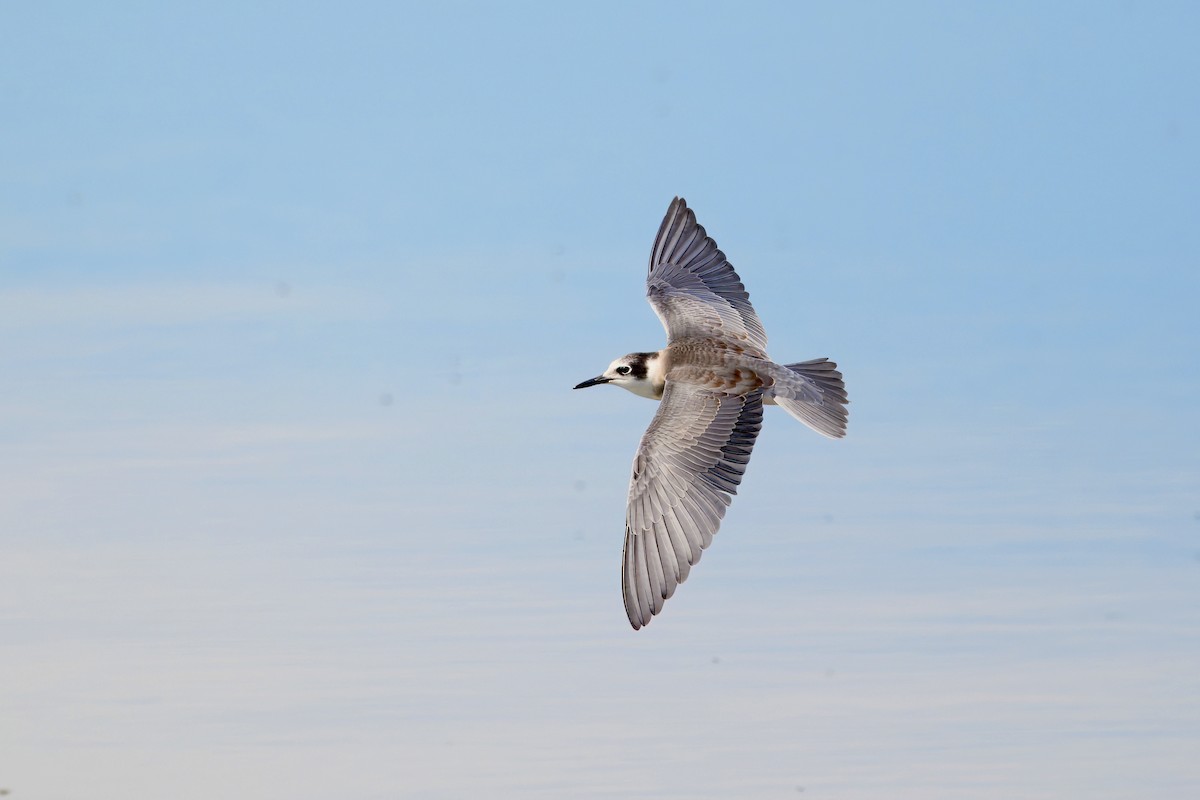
pixel 622 370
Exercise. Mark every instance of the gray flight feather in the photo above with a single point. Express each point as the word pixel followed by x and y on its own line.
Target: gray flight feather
pixel 694 290
pixel 689 464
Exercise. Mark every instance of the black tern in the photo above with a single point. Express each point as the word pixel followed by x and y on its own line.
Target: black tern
pixel 712 380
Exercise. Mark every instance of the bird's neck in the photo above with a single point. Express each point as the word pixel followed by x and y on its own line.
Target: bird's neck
pixel 656 375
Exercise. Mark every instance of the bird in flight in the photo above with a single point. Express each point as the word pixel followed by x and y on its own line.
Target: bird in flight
pixel 712 380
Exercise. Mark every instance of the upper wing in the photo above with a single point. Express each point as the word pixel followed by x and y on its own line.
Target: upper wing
pixel 689 464
pixel 694 290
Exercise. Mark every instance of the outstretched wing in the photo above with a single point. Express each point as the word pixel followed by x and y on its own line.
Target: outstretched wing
pixel 688 466
pixel 694 290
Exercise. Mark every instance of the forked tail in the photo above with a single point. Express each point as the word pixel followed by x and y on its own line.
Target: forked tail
pixel 814 393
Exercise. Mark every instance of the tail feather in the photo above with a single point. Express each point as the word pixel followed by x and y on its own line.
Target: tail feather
pixel 814 393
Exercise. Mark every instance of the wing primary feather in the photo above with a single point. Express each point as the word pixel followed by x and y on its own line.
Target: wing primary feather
pixel 658 254
pixel 628 579
pixel 667 557
pixel 692 286
pixel 654 570
pixel 642 586
pixel 689 466
pixel 679 544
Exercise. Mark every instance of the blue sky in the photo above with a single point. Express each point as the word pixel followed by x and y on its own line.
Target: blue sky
pixel 295 499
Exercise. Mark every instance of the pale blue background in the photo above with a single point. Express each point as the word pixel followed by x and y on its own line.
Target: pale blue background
pixel 296 501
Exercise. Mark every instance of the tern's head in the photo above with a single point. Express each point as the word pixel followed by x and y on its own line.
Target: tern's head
pixel 640 373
